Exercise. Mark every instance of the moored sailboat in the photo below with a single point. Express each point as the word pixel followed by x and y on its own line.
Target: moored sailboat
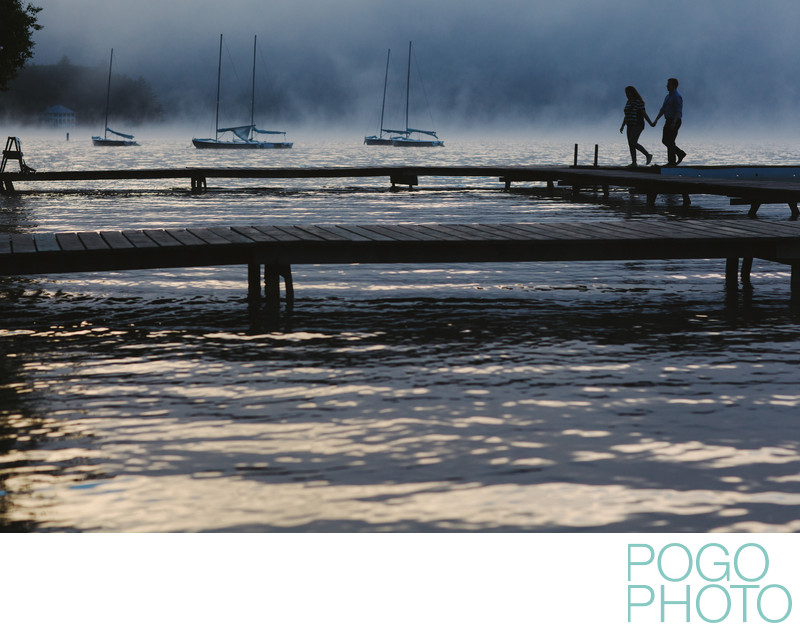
pixel 122 140
pixel 404 137
pixel 244 136
pixel 379 139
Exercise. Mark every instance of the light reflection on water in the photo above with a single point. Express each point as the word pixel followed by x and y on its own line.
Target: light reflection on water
pixel 612 396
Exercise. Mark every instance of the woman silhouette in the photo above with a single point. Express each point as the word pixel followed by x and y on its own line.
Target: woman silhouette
pixel 635 115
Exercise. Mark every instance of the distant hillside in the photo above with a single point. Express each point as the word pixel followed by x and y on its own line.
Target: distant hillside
pixel 80 89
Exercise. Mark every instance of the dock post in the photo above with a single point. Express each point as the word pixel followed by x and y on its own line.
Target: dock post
pixel 754 206
pixel 575 159
pixel 747 266
pixel 253 282
pixel 596 149
pixel 288 285
pixel 272 287
pixel 795 283
pixel 199 184
pixel 731 273
pixel 795 212
pixel 410 180
pixel 687 201
pixel 651 198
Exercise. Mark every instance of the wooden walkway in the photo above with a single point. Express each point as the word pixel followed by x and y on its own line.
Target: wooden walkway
pixel 651 181
pixel 272 249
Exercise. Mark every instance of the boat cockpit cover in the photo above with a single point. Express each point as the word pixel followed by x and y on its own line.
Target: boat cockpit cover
pixel 422 131
pixel 262 131
pixel 243 131
pixel 404 132
pixel 128 136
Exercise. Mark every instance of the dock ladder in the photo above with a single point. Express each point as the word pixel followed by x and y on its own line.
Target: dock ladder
pixel 13 151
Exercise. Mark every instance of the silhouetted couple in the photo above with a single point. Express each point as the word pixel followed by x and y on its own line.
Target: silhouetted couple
pixel 635 115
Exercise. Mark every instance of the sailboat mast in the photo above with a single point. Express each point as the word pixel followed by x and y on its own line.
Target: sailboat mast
pixel 108 94
pixel 253 91
pixel 408 83
pixel 219 74
pixel 385 80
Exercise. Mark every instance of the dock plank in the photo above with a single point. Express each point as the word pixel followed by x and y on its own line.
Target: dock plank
pixel 515 232
pixel 476 231
pixel 209 236
pixel 367 233
pixel 162 238
pixel 230 235
pixel 344 235
pixel 330 234
pixel 301 234
pixel 139 239
pixel 116 240
pixel 277 234
pixel 642 230
pixel 185 237
pixel 757 227
pixel 22 243
pixel 93 241
pixel 46 242
pixel 393 232
pixel 253 234
pixel 407 232
pixel 551 231
pixel 69 242
pixel 449 232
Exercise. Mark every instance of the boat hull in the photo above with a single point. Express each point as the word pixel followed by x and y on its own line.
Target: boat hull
pixel 375 141
pixel 210 143
pixel 105 142
pixel 407 142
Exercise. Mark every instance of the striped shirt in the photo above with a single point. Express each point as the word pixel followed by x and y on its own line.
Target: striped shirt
pixel 634 113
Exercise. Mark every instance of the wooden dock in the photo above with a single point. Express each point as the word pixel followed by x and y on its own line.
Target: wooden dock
pixel 752 193
pixel 269 251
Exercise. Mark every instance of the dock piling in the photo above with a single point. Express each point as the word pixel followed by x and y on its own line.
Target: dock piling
pixel 795 282
pixel 272 287
pixel 732 273
pixel 199 184
pixel 254 282
pixel 410 180
pixel 747 266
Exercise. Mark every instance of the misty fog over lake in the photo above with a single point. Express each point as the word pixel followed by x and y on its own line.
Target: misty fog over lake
pixel 495 64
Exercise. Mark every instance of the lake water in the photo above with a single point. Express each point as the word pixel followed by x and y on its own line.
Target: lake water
pixel 611 396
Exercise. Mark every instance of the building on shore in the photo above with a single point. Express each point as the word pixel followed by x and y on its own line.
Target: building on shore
pixel 58 117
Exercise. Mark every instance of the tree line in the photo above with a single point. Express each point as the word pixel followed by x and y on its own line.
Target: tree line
pixel 81 89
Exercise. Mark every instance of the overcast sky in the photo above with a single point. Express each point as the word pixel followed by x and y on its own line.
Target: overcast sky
pixel 483 62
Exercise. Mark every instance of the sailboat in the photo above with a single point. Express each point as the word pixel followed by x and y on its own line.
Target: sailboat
pixel 244 135
pixel 379 139
pixel 123 140
pixel 404 139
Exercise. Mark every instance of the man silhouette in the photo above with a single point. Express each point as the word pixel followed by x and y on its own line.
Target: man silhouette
pixel 672 111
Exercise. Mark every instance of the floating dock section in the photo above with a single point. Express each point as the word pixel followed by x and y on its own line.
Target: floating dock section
pixel 269 251
pixel 750 191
